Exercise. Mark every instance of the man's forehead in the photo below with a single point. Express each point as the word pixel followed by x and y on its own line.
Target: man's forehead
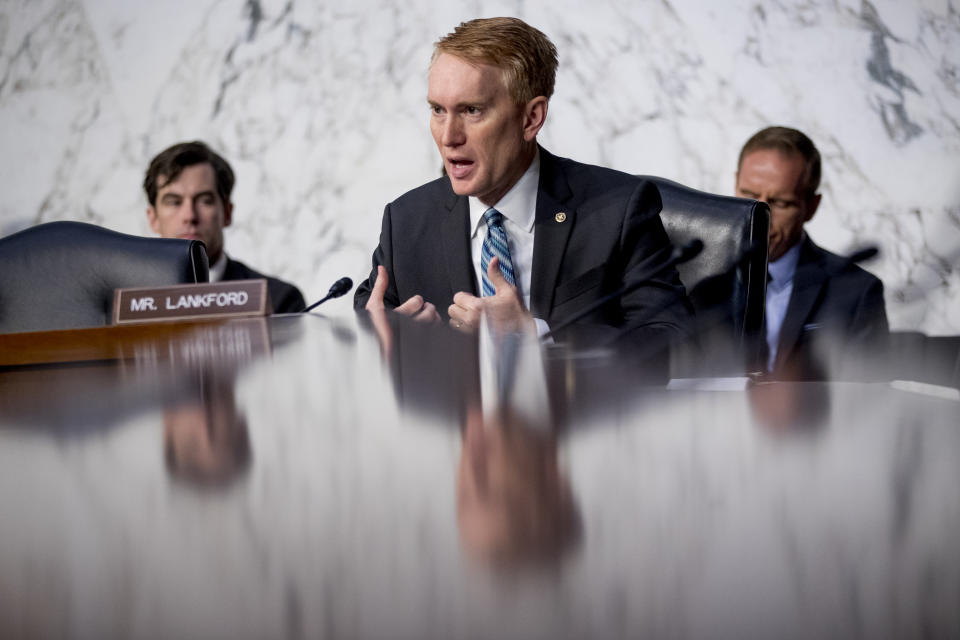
pixel 771 182
pixel 199 176
pixel 450 74
pixel 774 155
pixel 772 162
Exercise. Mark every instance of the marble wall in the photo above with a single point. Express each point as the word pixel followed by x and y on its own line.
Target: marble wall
pixel 320 108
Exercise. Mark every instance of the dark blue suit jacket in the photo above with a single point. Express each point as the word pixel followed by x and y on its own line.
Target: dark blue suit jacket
pixel 611 236
pixel 836 312
pixel 284 297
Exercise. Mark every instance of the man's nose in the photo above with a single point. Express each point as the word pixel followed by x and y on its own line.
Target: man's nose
pixel 453 132
pixel 189 211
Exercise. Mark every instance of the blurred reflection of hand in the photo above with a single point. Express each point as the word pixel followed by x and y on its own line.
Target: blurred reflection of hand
pixel 378 313
pixel 514 506
pixel 789 407
pixel 206 442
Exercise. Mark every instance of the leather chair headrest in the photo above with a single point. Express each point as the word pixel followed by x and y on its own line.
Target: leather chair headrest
pixel 62 275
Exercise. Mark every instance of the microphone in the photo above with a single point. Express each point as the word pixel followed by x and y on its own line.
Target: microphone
pixel 686 252
pixel 339 288
pixel 863 254
pixel 678 255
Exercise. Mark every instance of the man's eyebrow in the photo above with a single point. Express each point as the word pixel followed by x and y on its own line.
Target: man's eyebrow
pixel 463 103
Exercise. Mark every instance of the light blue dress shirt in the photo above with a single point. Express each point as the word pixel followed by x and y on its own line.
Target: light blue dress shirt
pixel 779 288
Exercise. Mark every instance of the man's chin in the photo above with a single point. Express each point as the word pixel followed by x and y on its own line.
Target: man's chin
pixel 775 252
pixel 462 187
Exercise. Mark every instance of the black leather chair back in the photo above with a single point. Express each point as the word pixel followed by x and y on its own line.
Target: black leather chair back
pixel 727 281
pixel 61 275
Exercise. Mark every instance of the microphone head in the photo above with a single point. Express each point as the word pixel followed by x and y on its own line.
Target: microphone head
pixel 340 287
pixel 686 251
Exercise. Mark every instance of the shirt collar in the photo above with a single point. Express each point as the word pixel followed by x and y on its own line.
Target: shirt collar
pixel 782 269
pixel 218 268
pixel 518 205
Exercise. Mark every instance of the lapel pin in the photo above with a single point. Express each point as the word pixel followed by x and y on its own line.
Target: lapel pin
pixel 560 217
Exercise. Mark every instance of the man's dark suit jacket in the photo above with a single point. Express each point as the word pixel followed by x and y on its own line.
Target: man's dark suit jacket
pixel 284 297
pixel 836 312
pixel 609 235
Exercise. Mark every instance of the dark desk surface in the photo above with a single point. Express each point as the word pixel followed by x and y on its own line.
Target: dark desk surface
pixel 292 477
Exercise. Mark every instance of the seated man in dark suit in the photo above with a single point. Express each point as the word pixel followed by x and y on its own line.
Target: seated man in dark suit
pixel 812 293
pixel 188 188
pixel 511 231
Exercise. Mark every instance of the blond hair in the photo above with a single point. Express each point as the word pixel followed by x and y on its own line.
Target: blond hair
pixel 526 56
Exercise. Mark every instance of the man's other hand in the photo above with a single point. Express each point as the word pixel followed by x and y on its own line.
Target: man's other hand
pixel 504 309
pixel 415 307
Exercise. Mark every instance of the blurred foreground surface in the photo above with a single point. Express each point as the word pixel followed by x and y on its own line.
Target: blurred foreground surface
pixel 304 477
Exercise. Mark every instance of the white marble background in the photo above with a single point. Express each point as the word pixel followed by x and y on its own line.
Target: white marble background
pixel 320 108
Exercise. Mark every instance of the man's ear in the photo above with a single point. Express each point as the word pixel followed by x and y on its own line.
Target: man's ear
pixel 534 115
pixel 812 205
pixel 153 220
pixel 227 213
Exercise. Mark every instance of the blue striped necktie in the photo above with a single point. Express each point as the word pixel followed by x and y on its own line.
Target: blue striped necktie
pixel 495 244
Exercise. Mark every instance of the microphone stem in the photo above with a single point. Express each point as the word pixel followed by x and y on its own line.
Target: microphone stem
pixel 317 303
pixel 586 311
pixel 689 252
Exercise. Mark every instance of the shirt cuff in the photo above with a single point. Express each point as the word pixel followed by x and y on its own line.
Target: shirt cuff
pixel 542 328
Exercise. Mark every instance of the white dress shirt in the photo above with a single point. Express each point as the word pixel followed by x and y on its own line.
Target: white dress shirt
pixel 779 288
pixel 218 268
pixel 518 207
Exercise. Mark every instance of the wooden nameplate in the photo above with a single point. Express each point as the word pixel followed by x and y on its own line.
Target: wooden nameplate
pixel 178 303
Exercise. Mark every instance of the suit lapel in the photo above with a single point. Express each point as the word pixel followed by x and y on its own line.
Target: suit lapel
pixel 550 233
pixel 232 270
pixel 455 239
pixel 808 283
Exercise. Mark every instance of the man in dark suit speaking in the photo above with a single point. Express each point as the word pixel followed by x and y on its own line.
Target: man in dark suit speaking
pixel 188 189
pixel 511 231
pixel 811 293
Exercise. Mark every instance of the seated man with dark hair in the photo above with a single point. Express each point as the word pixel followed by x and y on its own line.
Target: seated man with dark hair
pixel 188 188
pixel 811 293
